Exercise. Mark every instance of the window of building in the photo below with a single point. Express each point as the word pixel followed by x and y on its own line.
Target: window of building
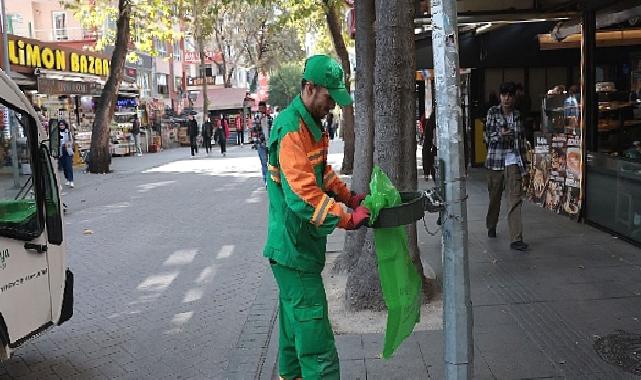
pixel 59 26
pixel 161 47
pixel 161 81
pixel 142 79
pixel 177 55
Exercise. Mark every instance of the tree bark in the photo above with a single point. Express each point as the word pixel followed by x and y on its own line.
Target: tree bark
pixel 395 108
pixel 198 31
pixel 100 156
pixel 363 288
pixel 335 29
pixel 364 124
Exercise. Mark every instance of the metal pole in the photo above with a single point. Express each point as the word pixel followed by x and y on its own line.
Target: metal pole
pixel 457 307
pixel 12 125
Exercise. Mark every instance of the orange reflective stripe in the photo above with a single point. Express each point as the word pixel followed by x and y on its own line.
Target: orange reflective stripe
pixel 320 213
pixel 317 156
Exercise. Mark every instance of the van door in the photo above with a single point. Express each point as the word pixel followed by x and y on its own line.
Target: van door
pixel 25 302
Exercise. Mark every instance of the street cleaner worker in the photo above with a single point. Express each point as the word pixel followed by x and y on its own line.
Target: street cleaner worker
pixel 307 201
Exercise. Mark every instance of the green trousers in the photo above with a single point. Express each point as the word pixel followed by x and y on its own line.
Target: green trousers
pixel 306 341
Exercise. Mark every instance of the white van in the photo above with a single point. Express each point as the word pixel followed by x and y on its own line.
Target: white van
pixel 36 287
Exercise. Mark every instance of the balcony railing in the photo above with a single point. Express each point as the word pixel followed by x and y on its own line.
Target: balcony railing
pixel 66 34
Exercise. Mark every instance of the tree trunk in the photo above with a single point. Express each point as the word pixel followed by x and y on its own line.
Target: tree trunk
pixel 201 53
pixel 100 156
pixel 363 288
pixel 335 29
pixel 395 108
pixel 364 126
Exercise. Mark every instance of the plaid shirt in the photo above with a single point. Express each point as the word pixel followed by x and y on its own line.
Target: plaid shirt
pixel 498 146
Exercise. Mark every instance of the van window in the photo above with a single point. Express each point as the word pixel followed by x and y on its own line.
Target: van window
pixel 18 209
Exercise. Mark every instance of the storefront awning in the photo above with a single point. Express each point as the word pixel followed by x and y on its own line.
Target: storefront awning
pixel 222 99
pixel 127 88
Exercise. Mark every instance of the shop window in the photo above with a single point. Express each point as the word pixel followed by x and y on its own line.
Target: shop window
pixel 60 26
pixel 613 189
pixel 161 80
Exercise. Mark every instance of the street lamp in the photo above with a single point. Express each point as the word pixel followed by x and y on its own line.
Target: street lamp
pixel 12 127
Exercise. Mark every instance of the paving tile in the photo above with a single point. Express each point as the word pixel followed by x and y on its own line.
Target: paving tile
pixel 350 347
pixel 511 355
pixel 353 369
pixel 373 345
pixel 400 368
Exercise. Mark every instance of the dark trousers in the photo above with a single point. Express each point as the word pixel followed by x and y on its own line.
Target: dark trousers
pixel 240 137
pixel 207 143
pixel 194 146
pixel 223 145
pixel 67 165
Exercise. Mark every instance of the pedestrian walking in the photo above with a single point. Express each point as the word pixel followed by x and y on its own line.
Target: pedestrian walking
pixel 429 148
pixel 135 131
pixel 222 134
pixel 330 125
pixel 192 131
pixel 240 130
pixel 261 132
pixel 66 152
pixel 301 215
pixel 506 164
pixel 207 133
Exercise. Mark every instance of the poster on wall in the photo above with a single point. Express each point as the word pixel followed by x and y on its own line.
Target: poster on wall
pixel 556 173
pixel 540 169
pixel 556 180
pixel 572 199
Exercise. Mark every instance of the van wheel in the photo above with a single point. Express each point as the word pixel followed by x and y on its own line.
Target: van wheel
pixel 4 339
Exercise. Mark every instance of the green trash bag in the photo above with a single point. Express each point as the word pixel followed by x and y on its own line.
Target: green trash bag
pixel 400 282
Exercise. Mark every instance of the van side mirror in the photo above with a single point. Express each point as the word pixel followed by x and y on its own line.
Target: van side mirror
pixel 54 140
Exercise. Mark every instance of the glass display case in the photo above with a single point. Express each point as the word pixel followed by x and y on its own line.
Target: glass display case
pixel 561 111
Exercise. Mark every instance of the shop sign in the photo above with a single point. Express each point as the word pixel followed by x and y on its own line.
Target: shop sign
pixel 126 102
pixel 131 72
pixel 198 81
pixel 64 87
pixel 35 54
pixel 194 56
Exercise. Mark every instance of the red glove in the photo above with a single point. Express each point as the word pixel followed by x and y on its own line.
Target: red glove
pixel 355 200
pixel 360 216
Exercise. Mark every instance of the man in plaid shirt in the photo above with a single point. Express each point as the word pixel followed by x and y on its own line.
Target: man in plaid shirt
pixel 506 164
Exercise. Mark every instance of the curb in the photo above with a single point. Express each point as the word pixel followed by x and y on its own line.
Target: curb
pixel 249 358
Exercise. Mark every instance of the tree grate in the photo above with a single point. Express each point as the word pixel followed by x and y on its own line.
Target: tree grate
pixel 621 349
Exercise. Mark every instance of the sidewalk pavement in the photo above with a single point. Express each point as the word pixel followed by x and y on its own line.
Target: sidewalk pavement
pixel 122 166
pixel 536 315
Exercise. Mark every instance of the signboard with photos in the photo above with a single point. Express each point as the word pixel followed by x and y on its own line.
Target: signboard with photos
pixel 556 173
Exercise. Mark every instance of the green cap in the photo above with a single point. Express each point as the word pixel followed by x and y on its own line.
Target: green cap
pixel 324 71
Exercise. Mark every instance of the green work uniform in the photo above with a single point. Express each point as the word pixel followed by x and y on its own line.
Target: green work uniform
pixel 296 249
pixel 304 195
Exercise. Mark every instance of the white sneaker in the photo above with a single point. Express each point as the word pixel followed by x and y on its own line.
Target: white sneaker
pixel 67 183
pixel 71 185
